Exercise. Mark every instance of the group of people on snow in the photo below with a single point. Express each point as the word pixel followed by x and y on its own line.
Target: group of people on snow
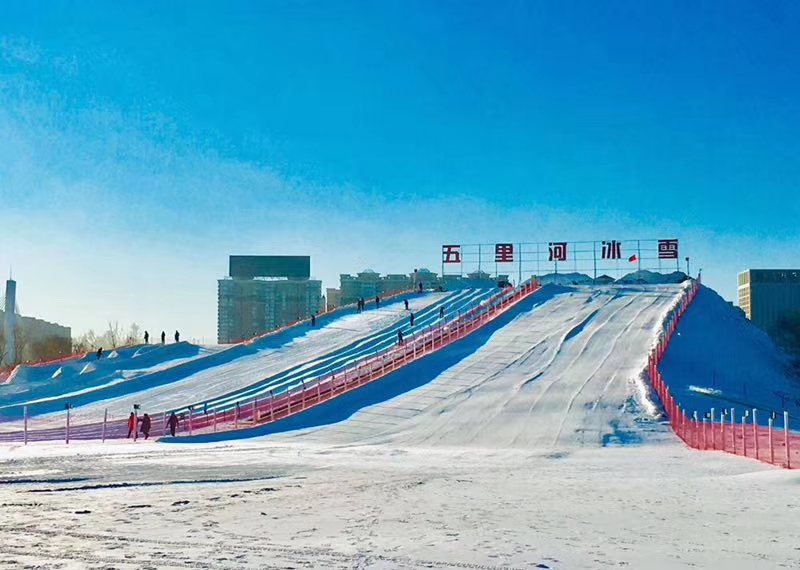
pixel 177 336
pixel 146 424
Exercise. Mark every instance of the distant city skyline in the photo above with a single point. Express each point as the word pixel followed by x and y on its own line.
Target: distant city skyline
pixel 143 143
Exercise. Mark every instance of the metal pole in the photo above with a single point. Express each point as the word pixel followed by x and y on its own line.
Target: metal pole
pixel 733 429
pixel 713 435
pixel 105 421
pixel 744 437
pixel 190 421
pixel 271 406
pixel 25 425
pixel 67 425
pixel 771 448
pixel 786 438
pixel 705 440
pixel 755 431
pixel 215 420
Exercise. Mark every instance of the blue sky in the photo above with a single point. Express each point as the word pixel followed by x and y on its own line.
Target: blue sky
pixel 142 142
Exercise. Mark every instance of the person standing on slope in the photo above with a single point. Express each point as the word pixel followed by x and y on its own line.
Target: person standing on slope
pixel 172 423
pixel 146 423
pixel 405 301
pixel 131 424
pixel 399 337
pixel 163 337
pixel 377 302
pixel 177 336
pixel 146 337
pixel 411 319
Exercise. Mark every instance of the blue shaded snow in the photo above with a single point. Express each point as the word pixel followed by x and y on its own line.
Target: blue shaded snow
pixel 719 359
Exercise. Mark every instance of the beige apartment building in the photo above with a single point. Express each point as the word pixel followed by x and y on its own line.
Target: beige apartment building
pixel 765 295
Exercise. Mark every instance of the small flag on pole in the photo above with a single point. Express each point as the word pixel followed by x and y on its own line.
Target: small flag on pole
pixel 633 258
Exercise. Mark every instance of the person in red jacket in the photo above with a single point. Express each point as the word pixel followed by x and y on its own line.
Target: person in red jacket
pixel 131 424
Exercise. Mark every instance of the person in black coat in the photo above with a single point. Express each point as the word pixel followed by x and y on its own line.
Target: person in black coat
pixel 177 336
pixel 399 337
pixel 411 319
pixel 172 423
pixel 406 303
pixel 146 337
pixel 163 337
pixel 146 423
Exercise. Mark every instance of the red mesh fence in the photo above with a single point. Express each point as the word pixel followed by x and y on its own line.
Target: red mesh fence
pixel 773 443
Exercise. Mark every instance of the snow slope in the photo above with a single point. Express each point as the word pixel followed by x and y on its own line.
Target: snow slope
pixel 560 369
pixel 84 374
pixel 235 377
pixel 717 358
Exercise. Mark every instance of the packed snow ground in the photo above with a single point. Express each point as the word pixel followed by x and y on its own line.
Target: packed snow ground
pixel 264 504
pixel 526 451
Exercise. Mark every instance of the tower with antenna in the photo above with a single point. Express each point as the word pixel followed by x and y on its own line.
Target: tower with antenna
pixel 10 320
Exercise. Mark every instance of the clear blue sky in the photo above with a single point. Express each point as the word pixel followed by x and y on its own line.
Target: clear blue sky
pixel 142 142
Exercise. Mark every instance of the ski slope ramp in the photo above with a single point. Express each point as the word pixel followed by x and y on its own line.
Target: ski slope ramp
pixel 241 372
pixel 568 372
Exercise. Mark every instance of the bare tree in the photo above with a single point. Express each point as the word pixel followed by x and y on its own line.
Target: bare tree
pixel 87 342
pixel 114 334
pixel 134 332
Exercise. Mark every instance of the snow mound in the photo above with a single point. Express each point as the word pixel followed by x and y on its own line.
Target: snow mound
pixel 58 372
pixel 565 279
pixel 88 368
pixel 719 359
pixel 113 354
pixel 653 278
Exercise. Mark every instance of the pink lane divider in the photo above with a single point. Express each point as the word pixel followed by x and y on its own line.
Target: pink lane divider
pixel 721 432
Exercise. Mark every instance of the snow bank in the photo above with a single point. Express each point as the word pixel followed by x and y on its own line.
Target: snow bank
pixel 717 358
